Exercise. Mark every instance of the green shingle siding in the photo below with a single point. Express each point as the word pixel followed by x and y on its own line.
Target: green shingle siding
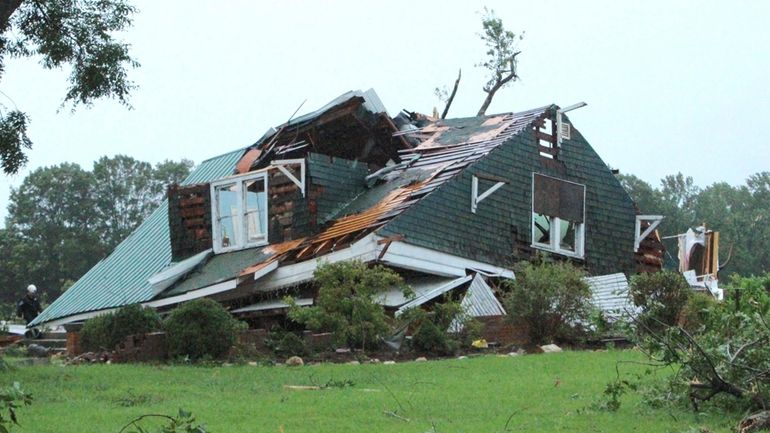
pixel 338 181
pixel 443 220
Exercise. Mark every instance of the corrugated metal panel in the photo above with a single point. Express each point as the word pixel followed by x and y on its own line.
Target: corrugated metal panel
pixel 480 301
pixel 121 278
pixel 610 294
pixel 420 286
pixel 433 294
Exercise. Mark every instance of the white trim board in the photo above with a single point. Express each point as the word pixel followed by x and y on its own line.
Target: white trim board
pixel 404 255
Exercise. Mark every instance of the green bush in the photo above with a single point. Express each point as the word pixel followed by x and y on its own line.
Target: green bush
pixel 432 330
pixel 346 304
pixel 549 299
pixel 107 331
pixel 286 343
pixel 696 311
pixel 661 297
pixel 200 328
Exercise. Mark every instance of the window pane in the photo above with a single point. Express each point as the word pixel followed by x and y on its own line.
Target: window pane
pixel 567 232
pixel 227 232
pixel 255 214
pixel 227 210
pixel 542 229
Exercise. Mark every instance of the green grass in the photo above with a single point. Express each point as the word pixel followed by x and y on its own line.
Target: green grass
pixel 471 395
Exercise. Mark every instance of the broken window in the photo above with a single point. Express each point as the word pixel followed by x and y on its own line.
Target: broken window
pixel 239 208
pixel 558 215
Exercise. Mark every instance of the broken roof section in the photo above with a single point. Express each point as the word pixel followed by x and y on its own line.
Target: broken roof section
pixel 122 277
pixel 353 126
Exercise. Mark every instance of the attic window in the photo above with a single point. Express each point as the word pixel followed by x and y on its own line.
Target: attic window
pixel 558 209
pixel 239 212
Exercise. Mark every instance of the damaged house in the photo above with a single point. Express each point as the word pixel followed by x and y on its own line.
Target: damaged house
pixel 449 204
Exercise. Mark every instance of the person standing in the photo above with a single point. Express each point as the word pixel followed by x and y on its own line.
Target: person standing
pixel 29 306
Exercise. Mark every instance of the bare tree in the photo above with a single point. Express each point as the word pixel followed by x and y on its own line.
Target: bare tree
pixel 501 58
pixel 447 99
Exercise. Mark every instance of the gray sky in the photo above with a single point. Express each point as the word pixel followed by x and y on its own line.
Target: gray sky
pixel 671 86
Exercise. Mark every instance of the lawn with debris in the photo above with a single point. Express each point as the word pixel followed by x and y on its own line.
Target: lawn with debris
pixel 530 393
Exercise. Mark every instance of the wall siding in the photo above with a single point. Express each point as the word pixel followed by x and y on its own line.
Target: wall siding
pixel 500 230
pixel 334 182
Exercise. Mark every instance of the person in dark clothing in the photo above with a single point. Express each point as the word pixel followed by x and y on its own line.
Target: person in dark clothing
pixel 29 306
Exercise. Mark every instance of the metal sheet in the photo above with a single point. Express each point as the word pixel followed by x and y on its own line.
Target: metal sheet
pixel 610 294
pixel 121 278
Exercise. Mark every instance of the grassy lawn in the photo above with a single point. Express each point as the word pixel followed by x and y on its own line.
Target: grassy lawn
pixel 545 392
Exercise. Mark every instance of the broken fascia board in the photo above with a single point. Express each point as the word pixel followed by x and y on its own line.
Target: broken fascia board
pixel 160 281
pixel 273 305
pixel 364 250
pixel 403 255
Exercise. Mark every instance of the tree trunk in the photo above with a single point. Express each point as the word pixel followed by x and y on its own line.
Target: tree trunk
pixel 452 96
pixel 7 8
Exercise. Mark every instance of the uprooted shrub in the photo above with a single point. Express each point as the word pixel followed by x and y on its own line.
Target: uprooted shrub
pixel 660 296
pixel 726 360
pixel 549 299
pixel 443 329
pixel 199 329
pixel 105 332
pixel 346 304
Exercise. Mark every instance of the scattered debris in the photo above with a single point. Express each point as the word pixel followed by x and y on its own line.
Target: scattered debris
pixel 389 362
pixel 421 359
pixel 295 361
pixel 302 387
pixel 37 351
pixel 550 348
pixel 755 422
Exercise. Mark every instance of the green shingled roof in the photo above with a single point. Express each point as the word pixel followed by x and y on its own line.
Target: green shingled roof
pixel 121 278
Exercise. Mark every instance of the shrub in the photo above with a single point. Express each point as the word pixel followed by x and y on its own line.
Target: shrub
pixel 661 297
pixel 695 312
pixel 550 299
pixel 107 331
pixel 346 304
pixel 200 328
pixel 286 343
pixel 442 330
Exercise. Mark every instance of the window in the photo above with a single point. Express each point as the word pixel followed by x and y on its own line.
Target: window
pixel 558 209
pixel 239 212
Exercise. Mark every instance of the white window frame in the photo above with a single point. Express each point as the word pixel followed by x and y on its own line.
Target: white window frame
pixel 239 243
pixel 554 245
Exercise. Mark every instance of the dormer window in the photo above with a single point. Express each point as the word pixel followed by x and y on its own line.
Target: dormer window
pixel 239 212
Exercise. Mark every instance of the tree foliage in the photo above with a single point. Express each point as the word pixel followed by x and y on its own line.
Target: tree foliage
pixel 63 219
pixel 63 32
pixel 346 303
pixel 501 56
pixel 550 299
pixel 727 358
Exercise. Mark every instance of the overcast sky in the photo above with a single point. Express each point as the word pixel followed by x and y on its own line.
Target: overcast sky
pixel 670 86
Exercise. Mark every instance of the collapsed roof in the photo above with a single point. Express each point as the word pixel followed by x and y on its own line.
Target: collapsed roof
pixel 391 165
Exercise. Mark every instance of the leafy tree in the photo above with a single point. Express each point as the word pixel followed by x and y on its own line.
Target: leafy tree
pixel 127 191
pixel 63 32
pixel 52 212
pixel 346 304
pixel 501 60
pixel 63 219
pixel 661 297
